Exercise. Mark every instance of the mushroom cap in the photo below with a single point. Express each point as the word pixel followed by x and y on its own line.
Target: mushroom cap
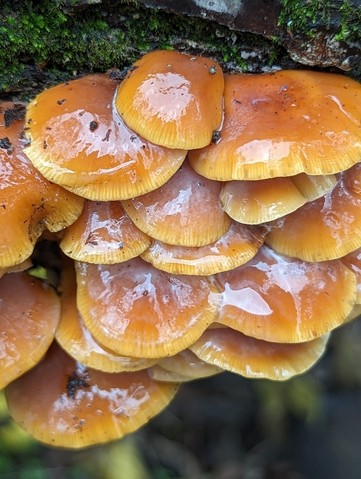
pixel 184 366
pixel 173 99
pixel 76 340
pixel 186 211
pixel 353 262
pixel 136 310
pixel 103 234
pixel 27 325
pixel 62 403
pixel 237 246
pixel 29 203
pixel 255 202
pixel 284 123
pixel 79 142
pixel 254 358
pixel 326 228
pixel 286 300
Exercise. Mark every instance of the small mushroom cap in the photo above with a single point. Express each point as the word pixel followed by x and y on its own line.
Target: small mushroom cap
pixel 254 358
pixel 255 202
pixel 353 262
pixel 27 325
pixel 173 99
pixel 136 310
pixel 186 211
pixel 76 340
pixel 184 366
pixel 80 143
pixel 62 403
pixel 284 123
pixel 237 246
pixel 29 203
pixel 282 299
pixel 326 228
pixel 103 234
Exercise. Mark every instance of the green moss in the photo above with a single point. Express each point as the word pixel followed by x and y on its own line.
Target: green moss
pixel 305 18
pixel 59 39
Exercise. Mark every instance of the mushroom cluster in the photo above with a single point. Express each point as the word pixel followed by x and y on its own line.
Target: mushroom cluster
pixel 205 222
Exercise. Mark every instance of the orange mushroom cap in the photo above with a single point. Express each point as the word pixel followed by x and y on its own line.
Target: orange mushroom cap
pixel 326 228
pixel 353 262
pixel 284 123
pixel 136 310
pixel 184 366
pixel 186 211
pixel 255 202
pixel 286 300
pixel 72 335
pixel 62 403
pixel 79 142
pixel 254 358
pixel 29 315
pixel 29 203
pixel 173 99
pixel 237 246
pixel 103 234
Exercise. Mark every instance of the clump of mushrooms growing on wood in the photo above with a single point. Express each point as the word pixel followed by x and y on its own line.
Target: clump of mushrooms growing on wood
pixel 204 222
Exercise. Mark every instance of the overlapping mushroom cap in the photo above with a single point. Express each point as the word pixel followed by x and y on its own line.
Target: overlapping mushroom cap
pixel 181 283
pixel 173 99
pixel 79 142
pixel 284 123
pixel 29 203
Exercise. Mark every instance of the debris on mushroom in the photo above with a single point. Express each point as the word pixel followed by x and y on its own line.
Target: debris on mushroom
pixel 173 99
pixel 62 403
pixel 29 203
pixel 103 234
pixel 284 123
pixel 79 142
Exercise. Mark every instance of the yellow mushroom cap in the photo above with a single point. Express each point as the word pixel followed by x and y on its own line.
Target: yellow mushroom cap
pixel 286 300
pixel 62 403
pixel 76 340
pixel 255 202
pixel 353 262
pixel 254 358
pixel 29 315
pixel 186 211
pixel 103 234
pixel 284 123
pixel 237 246
pixel 326 228
pixel 79 142
pixel 29 203
pixel 136 310
pixel 173 99
pixel 184 366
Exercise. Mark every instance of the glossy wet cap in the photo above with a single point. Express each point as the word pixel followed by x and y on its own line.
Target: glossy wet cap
pixel 29 203
pixel 62 403
pixel 29 315
pixel 326 228
pixel 186 211
pixel 79 142
pixel 103 234
pixel 173 99
pixel 255 202
pixel 284 123
pixel 136 310
pixel 254 358
pixel 281 299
